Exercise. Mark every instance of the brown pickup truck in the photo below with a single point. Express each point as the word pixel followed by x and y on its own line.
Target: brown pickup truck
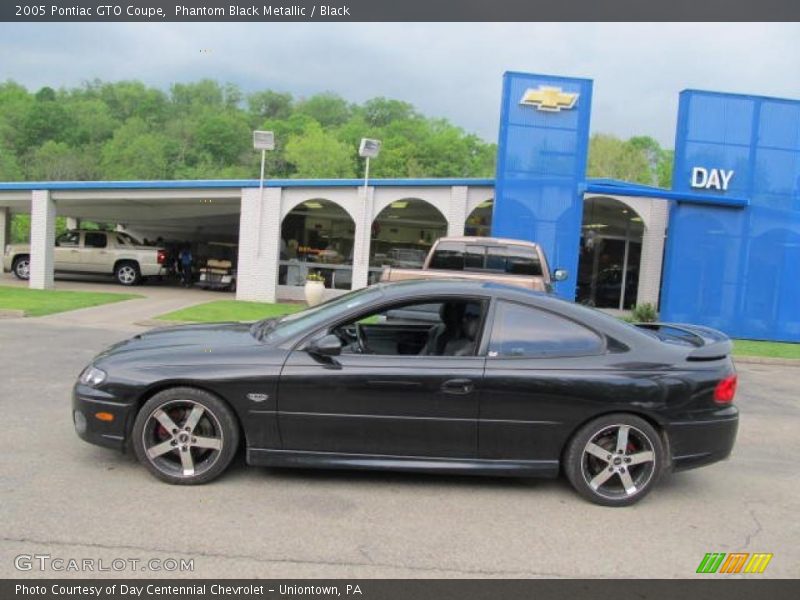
pixel 513 262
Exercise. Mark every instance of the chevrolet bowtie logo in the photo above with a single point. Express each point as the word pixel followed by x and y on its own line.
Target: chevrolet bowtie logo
pixel 548 98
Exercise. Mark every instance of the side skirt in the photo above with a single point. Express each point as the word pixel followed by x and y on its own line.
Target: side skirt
pixel 457 466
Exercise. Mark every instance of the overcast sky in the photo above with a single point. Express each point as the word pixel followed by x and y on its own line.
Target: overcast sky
pixel 445 70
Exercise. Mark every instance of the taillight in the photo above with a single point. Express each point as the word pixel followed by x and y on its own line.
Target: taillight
pixel 162 257
pixel 725 390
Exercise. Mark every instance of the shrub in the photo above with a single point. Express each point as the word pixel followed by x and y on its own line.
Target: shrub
pixel 644 313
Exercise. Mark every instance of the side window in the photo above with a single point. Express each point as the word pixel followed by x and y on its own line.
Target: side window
pixel 524 332
pixel 449 327
pixel 70 239
pixel 448 255
pixel 94 240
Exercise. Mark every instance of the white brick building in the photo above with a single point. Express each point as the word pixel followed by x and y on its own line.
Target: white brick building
pixel 280 232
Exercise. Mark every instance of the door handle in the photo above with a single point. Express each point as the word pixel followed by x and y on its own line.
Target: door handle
pixel 458 386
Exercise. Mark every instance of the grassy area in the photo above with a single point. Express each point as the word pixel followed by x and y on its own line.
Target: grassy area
pixel 766 349
pixel 231 310
pixel 36 303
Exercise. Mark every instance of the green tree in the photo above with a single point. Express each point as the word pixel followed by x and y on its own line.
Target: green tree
pixel 269 105
pixel 611 157
pixel 317 154
pixel 45 119
pixel 137 153
pixel 379 112
pixel 225 137
pixel 56 161
pixel 9 168
pixel 128 99
pixel 328 109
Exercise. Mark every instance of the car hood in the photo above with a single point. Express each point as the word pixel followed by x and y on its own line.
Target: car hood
pixel 184 339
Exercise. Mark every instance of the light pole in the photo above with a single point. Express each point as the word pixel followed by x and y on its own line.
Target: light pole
pixel 262 140
pixel 368 149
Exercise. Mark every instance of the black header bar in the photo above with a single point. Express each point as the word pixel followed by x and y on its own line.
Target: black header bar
pixel 397 10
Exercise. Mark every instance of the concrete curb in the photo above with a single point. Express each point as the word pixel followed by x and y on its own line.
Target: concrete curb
pixel 763 360
pixel 160 323
pixel 10 313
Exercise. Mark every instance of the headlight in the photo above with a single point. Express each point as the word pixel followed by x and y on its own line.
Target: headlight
pixel 92 376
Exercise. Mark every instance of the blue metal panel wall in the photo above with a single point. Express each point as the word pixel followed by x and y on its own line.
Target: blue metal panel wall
pixel 541 167
pixel 737 269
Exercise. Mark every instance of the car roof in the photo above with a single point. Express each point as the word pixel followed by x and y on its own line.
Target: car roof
pixel 455 286
pixel 489 241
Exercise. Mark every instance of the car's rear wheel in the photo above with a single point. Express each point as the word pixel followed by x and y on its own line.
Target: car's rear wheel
pixel 22 267
pixel 185 436
pixel 128 273
pixel 615 460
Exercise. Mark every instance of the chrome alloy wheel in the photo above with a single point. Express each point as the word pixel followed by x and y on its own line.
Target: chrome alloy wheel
pixel 126 275
pixel 182 438
pixel 618 462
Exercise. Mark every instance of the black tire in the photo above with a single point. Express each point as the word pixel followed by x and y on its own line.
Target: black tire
pixel 603 474
pixel 127 272
pixel 168 454
pixel 22 267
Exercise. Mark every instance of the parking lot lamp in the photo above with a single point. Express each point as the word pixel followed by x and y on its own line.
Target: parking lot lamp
pixel 262 140
pixel 368 149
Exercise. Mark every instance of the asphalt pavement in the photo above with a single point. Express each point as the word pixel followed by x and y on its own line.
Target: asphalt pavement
pixel 66 499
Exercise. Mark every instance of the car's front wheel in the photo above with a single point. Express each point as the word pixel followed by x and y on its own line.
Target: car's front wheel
pixel 615 460
pixel 22 267
pixel 185 436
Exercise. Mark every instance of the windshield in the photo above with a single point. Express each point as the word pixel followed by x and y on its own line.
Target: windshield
pixel 283 328
pixel 127 239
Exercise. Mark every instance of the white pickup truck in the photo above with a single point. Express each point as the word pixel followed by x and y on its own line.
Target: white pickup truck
pixel 91 251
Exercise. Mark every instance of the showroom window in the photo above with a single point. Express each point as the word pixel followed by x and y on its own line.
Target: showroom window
pixel 524 332
pixel 317 236
pixel 402 234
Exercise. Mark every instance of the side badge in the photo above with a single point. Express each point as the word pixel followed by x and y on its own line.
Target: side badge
pixel 257 397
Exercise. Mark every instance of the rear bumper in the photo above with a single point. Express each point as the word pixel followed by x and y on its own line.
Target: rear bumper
pixel 86 403
pixel 151 270
pixel 703 441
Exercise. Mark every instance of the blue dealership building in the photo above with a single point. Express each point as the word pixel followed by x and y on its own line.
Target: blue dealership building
pixel 732 247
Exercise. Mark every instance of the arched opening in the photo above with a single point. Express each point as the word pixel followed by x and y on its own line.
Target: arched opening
pixel 479 221
pixel 317 236
pixel 610 253
pixel 402 234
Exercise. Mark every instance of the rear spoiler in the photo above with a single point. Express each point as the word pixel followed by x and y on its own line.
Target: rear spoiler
pixel 709 344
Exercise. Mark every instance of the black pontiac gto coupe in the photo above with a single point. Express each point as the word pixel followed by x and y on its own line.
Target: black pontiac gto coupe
pixel 447 376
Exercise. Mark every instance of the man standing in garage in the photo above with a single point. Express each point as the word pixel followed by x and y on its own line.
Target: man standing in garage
pixel 185 259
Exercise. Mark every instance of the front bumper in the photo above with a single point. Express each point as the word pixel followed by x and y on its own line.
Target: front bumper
pixel 87 402
pixel 703 440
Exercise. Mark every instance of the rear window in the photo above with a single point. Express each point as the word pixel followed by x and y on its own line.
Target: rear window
pixel 509 260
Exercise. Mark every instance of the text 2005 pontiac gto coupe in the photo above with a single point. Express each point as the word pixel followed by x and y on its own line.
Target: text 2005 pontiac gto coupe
pixel 447 376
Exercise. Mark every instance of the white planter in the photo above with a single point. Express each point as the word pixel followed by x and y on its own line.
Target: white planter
pixel 314 291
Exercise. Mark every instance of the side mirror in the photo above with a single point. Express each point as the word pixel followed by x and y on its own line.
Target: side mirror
pixel 560 275
pixel 328 345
